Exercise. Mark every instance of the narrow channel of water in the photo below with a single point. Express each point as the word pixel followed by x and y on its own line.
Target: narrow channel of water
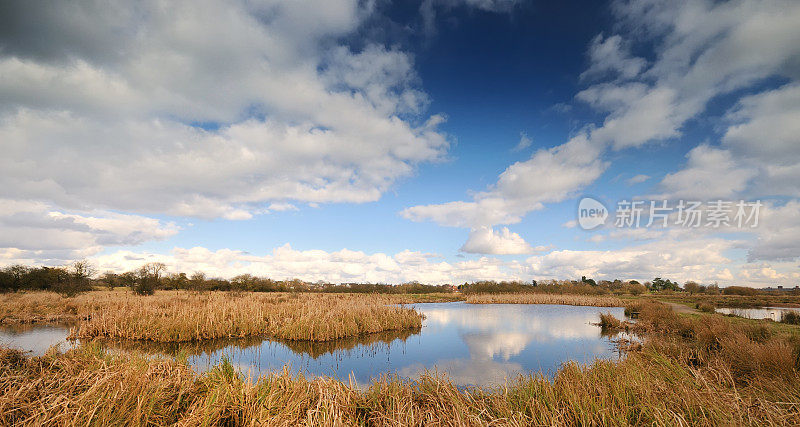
pixel 472 344
pixel 773 313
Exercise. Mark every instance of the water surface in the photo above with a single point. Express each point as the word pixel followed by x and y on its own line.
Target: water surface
pixel 773 313
pixel 474 344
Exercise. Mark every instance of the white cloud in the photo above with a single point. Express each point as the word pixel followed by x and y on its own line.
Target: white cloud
pixel 778 233
pixel 548 176
pixel 637 179
pixel 766 274
pixel 765 132
pixel 703 49
pixel 524 142
pixel 312 265
pixel 696 259
pixel 37 233
pixel 679 258
pixel 100 106
pixel 430 9
pixel 281 207
pixel 608 55
pixel 486 240
pixel 709 173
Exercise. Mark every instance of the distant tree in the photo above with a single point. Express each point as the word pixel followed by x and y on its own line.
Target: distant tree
pixel 692 287
pixel 148 278
pixel 635 288
pixel 588 281
pixel 77 278
pixel 660 284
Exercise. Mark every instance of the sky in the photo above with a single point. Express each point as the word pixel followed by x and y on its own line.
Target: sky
pixel 441 141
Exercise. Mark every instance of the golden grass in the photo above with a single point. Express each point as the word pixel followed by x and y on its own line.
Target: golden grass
pixel 691 370
pixel 44 307
pixel 183 316
pixel 531 298
pixel 178 316
pixel 87 386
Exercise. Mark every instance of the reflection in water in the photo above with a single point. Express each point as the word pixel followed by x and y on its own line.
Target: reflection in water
pixel 313 349
pixel 473 344
pixel 773 313
pixel 35 340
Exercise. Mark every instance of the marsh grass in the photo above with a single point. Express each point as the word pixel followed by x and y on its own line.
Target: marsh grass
pixel 660 385
pixel 183 316
pixel 691 370
pixel 178 316
pixel 705 307
pixel 608 321
pixel 533 298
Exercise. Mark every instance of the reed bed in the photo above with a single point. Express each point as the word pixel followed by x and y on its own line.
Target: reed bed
pixel 691 370
pixel 533 298
pixel 47 307
pixel 184 316
pixel 88 386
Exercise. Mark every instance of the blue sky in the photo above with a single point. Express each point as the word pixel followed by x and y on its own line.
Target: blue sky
pixel 437 140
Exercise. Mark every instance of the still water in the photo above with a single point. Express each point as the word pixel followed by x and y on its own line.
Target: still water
pixel 472 344
pixel 773 313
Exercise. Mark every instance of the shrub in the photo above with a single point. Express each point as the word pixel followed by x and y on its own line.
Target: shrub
pixel 705 307
pixel 790 317
pixel 608 321
pixel 739 290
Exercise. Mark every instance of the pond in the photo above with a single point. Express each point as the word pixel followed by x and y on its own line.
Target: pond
pixel 773 313
pixel 473 344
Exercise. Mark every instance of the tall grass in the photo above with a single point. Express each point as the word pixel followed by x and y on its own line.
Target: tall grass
pixel 183 316
pixel 86 386
pixel 691 370
pixel 531 298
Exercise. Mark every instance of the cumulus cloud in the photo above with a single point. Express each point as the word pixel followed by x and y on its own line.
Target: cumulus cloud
pixel 777 234
pixel 550 175
pixel 765 132
pixel 709 173
pixel 341 266
pixel 35 232
pixel 761 147
pixel 703 49
pixel 231 107
pixel 486 240
pixel 681 260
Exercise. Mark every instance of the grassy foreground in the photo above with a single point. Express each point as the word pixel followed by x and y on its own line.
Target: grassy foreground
pixel 177 316
pixel 691 370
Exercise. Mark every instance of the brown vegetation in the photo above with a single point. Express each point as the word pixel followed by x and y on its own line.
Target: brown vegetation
pixel 531 298
pixel 175 316
pixel 706 370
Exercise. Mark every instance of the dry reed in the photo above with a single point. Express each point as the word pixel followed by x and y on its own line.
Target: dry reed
pixel 88 387
pixel 533 298
pixel 183 316
pixel 706 370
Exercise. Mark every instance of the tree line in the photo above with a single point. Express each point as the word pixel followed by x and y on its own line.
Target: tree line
pixel 81 276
